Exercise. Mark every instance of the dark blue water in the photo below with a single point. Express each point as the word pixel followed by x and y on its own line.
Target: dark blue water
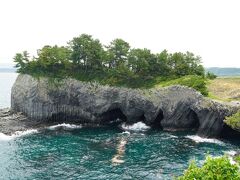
pixel 88 153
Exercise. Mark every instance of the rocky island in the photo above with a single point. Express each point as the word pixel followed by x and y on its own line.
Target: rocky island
pixel 170 108
pixel 87 84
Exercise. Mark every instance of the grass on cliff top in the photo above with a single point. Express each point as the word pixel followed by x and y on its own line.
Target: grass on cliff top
pixel 224 88
pixel 196 82
pixel 123 80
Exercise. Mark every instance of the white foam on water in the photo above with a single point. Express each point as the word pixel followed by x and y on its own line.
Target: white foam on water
pixel 172 136
pixel 232 161
pixel 65 126
pixel 231 152
pixel 199 139
pixel 4 137
pixel 231 155
pixel 139 126
pixel 126 132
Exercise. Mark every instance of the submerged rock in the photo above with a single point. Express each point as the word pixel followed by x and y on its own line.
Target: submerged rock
pixel 170 108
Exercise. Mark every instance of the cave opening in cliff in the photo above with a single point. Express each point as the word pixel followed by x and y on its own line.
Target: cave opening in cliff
pixel 113 117
pixel 57 117
pixel 192 120
pixel 156 124
pixel 229 133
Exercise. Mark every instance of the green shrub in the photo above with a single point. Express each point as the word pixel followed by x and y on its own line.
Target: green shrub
pixel 213 169
pixel 237 158
pixel 196 82
pixel 210 75
pixel 233 121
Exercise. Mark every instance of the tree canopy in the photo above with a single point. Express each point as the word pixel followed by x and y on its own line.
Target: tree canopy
pixel 86 58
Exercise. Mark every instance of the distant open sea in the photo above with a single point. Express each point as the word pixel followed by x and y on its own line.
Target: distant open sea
pixel 6 81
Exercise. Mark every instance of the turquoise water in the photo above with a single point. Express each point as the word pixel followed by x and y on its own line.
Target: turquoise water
pixel 70 152
pixel 87 153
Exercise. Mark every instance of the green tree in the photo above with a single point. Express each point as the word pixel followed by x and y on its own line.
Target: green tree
pixel 21 60
pixel 138 60
pixel 194 64
pixel 86 51
pixel 117 53
pixel 159 66
pixel 181 64
pixel 52 58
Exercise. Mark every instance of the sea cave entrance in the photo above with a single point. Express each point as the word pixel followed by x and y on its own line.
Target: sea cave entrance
pixel 113 116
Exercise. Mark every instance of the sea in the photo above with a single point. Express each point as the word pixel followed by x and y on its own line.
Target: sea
pixel 69 151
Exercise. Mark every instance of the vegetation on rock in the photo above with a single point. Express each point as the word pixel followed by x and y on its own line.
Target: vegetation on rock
pixel 193 81
pixel 213 168
pixel 233 121
pixel 117 64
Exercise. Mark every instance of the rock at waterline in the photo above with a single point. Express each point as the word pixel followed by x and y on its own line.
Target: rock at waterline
pixel 171 108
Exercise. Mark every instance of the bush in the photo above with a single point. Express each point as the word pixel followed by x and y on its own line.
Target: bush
pixel 233 121
pixel 195 82
pixel 210 75
pixel 213 169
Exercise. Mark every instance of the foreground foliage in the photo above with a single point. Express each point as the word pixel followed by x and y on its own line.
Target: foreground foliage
pixel 213 169
pixel 233 121
pixel 86 59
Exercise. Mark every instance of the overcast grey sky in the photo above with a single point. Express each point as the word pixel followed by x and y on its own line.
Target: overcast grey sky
pixel 209 28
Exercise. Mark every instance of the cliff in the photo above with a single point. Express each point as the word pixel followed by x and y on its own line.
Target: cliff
pixel 170 108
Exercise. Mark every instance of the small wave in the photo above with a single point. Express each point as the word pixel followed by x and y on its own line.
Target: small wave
pixel 65 126
pixel 139 126
pixel 172 136
pixel 4 137
pixel 126 132
pixel 231 152
pixel 199 139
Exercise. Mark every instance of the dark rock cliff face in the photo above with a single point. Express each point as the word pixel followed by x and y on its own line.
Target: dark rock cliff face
pixel 171 108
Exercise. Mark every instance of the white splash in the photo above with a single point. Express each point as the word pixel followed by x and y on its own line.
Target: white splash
pixel 231 153
pixel 126 132
pixel 199 139
pixel 4 137
pixel 139 126
pixel 65 126
pixel 172 136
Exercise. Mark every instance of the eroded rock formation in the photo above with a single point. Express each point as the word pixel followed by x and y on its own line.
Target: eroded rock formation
pixel 170 108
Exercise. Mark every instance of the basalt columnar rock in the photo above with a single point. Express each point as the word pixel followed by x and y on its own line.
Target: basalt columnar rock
pixel 170 108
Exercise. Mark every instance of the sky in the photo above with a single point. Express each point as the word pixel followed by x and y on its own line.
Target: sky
pixel 208 28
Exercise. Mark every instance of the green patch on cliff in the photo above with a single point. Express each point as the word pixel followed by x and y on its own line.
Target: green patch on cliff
pixel 234 121
pixel 196 82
